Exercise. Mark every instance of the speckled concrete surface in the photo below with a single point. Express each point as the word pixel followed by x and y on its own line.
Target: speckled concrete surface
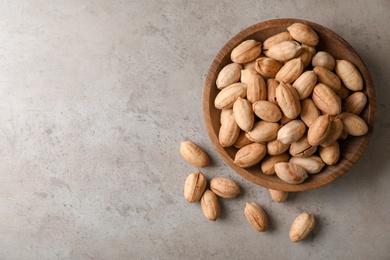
pixel 95 97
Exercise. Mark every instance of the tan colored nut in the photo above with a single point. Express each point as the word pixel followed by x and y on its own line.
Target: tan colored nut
pixel 275 39
pixel 193 154
pixel 288 100
pixel 304 85
pixel 267 165
pixel 278 195
pixel 246 51
pixel 353 125
pixel 290 173
pixel 328 78
pixel 194 186
pixel 272 84
pixel 243 114
pixel 263 131
pixel 326 100
pixel 311 49
pixel 330 154
pixel 267 67
pixel 267 111
pixel 319 130
pixel 309 111
pixel 355 103
pixel 251 64
pixel 284 51
pixel 290 71
pixel 229 131
pixel 285 120
pixel 225 113
pixel 312 164
pixel 242 140
pixel 292 131
pixel 256 216
pixel 323 59
pixel 303 34
pixel 276 147
pixel 250 155
pixel 336 129
pixel 257 89
pixel 302 148
pixel 349 75
pixel 246 74
pixel 210 205
pixel 302 226
pixel 344 92
pixel 305 57
pixel 226 98
pixel 228 75
pixel 224 187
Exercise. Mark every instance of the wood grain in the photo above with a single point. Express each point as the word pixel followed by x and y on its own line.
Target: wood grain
pixel 351 149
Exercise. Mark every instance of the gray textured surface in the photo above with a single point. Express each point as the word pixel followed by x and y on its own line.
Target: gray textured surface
pixel 95 97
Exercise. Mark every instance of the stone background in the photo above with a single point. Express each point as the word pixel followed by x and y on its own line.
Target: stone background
pixel 95 97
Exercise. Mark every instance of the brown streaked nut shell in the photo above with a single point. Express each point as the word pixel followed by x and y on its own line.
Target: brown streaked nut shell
pixel 284 51
pixel 344 92
pixel 225 187
pixel 268 67
pixel 326 99
pixel 194 186
pixel 256 216
pixel 246 51
pixel 323 59
pixel 263 131
pixel 302 226
pixel 229 131
pixel 228 75
pixel 349 75
pixel 243 114
pixel 303 34
pixel 311 49
pixel 246 74
pixel 302 148
pixel 250 155
pixel 305 57
pixel 242 140
pixel 256 89
pixel 353 124
pixel 227 96
pixel 193 154
pixel 267 165
pixel 330 154
pixel 291 132
pixel 355 103
pixel 290 71
pixel 309 111
pixel 272 84
pixel 210 205
pixel 267 111
pixel 225 113
pixel 328 78
pixel 278 195
pixel 276 147
pixel 288 100
pixel 312 164
pixel 305 83
pixel 319 130
pixel 275 39
pixel 336 129
pixel 290 173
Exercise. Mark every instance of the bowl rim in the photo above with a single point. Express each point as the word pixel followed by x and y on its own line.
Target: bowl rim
pixel 336 171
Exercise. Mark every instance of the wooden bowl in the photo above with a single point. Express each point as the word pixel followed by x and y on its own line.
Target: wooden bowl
pixel 351 149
